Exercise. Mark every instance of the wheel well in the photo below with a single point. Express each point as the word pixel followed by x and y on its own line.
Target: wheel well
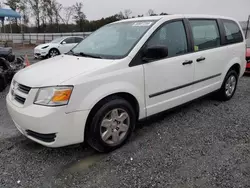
pixel 236 67
pixel 128 97
pixel 54 49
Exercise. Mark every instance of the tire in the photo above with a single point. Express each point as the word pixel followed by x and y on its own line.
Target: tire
pixel 223 93
pixel 104 124
pixel 53 52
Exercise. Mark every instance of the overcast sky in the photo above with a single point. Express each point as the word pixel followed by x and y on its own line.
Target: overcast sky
pixel 95 9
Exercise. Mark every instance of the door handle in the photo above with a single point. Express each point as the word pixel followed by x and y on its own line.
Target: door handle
pixel 201 59
pixel 188 62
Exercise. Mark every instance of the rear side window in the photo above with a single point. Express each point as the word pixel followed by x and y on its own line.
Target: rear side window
pixel 205 33
pixel 233 32
pixel 70 40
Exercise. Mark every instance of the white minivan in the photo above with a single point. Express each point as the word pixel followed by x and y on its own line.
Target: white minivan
pixel 124 72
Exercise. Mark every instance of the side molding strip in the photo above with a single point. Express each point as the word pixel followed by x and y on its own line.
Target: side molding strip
pixel 180 87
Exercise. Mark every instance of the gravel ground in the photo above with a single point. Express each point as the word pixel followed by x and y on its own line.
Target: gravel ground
pixel 203 144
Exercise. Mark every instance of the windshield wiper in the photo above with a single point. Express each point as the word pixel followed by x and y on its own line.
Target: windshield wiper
pixel 83 54
pixel 88 55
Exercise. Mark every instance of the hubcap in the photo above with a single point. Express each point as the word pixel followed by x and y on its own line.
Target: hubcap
pixel 114 126
pixel 53 53
pixel 230 85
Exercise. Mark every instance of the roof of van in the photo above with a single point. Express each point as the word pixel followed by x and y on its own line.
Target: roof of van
pixel 176 16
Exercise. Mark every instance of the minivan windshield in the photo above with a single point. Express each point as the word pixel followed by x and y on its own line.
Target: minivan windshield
pixel 113 41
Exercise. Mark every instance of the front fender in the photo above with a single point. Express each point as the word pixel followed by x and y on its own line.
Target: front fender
pixel 90 88
pixel 87 101
pixel 109 89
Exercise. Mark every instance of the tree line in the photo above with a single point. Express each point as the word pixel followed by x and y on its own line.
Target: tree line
pixel 49 16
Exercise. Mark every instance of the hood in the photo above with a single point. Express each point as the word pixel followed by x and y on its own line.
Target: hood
pixel 59 69
pixel 248 52
pixel 43 45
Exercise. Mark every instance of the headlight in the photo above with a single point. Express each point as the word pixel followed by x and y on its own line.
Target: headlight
pixel 45 47
pixel 53 96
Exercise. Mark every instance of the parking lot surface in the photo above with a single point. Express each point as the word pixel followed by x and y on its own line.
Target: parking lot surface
pixel 203 144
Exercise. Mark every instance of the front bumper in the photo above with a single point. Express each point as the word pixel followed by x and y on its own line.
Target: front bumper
pixel 49 126
pixel 38 53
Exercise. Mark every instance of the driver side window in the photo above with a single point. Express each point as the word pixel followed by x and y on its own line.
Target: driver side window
pixel 173 36
pixel 70 40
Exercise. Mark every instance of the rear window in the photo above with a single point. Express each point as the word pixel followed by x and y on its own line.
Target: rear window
pixel 70 40
pixel 233 32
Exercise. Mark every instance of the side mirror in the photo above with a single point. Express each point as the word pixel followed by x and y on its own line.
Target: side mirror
pixel 63 42
pixel 154 53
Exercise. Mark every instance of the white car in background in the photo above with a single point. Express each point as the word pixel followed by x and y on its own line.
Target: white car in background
pixel 56 47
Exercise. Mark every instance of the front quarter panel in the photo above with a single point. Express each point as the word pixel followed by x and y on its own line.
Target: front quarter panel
pixel 89 90
pixel 54 45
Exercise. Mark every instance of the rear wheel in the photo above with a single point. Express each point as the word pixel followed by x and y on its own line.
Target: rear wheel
pixel 54 52
pixel 111 125
pixel 229 86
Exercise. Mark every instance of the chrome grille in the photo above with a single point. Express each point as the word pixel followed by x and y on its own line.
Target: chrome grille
pixel 19 92
pixel 23 88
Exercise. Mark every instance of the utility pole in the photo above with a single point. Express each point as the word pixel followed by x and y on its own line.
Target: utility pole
pixel 247 25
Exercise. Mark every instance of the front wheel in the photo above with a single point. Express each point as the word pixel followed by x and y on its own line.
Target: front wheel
pixel 54 52
pixel 111 125
pixel 229 86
